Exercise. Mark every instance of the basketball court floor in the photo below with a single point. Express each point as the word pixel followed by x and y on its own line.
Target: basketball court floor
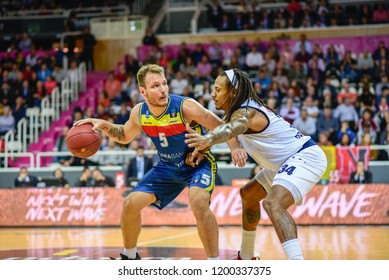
pixel 318 243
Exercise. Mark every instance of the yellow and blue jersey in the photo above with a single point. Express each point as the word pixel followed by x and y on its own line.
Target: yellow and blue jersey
pixel 171 175
pixel 167 131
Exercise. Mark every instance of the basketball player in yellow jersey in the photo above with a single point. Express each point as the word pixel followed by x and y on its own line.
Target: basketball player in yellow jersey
pixel 292 163
pixel 164 118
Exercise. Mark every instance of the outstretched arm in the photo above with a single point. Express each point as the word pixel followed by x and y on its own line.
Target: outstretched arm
pixel 239 123
pixel 193 111
pixel 119 133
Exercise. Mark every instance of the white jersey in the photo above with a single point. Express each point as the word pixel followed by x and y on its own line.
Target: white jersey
pixel 272 146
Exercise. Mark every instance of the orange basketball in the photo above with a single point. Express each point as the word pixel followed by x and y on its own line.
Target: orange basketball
pixel 83 141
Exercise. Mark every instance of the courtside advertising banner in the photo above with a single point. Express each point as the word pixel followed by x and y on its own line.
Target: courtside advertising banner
pixel 325 204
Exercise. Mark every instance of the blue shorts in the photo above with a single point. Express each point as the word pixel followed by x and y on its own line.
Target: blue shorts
pixel 167 182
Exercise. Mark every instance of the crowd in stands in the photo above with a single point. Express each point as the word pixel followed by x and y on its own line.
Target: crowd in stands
pixel 25 80
pixel 250 15
pixel 336 99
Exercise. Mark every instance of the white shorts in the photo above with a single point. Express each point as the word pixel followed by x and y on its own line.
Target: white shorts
pixel 298 174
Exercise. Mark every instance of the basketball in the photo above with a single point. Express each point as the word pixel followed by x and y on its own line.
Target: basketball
pixel 82 141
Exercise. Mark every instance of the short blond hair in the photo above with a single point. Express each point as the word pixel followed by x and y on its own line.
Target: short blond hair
pixel 146 69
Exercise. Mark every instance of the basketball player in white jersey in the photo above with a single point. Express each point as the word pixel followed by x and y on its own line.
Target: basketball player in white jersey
pixel 292 163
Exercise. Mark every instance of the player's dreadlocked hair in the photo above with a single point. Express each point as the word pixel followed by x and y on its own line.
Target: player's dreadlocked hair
pixel 244 91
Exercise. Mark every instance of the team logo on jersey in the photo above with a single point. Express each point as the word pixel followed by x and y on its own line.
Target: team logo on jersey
pixel 196 179
pixel 147 114
pixel 173 112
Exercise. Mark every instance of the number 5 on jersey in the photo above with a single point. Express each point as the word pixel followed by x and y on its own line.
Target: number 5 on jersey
pixel 163 139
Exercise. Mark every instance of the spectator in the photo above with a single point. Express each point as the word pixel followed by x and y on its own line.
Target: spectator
pixel 128 86
pixel 25 42
pixel 58 73
pixel 348 67
pixel 308 47
pixel 365 64
pixel 138 166
pixel 31 58
pixel 366 100
pixel 366 141
pixel 215 53
pixel 384 82
pixel 254 59
pixel 303 56
pixel 73 72
pixel 381 52
pixel 323 139
pixel 112 87
pixel 361 175
pixel 124 114
pixel 225 23
pixel 24 179
pixel 346 112
pixel 150 39
pixel 85 180
pixel 238 22
pixel 70 26
pixel 204 70
pixel 289 111
pixel 365 12
pixel 50 84
pixel 381 67
pixel 326 123
pixel 312 109
pixel 332 55
pixel 367 124
pixel 61 181
pixel 60 145
pixel 214 13
pixel 345 129
pixel 347 91
pixel 383 154
pixel 7 120
pixel 306 125
pixel 291 94
pixel 345 141
pixel 115 159
pixel 89 41
pixel 131 64
pixel 178 84
pixel 383 119
pixel 7 94
pixel 44 72
pixel 39 94
pixel 102 180
pixel 380 15
pixel 19 110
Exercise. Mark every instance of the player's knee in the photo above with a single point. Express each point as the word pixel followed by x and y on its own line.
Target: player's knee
pixel 129 204
pixel 245 194
pixel 199 206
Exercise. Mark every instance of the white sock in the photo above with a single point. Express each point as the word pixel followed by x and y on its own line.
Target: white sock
pixel 292 249
pixel 215 258
pixel 247 245
pixel 130 253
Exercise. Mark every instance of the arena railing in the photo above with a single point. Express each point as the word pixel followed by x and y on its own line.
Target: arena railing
pixel 128 153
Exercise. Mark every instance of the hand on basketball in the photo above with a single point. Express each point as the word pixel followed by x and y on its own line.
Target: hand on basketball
pixel 97 123
pixel 197 141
